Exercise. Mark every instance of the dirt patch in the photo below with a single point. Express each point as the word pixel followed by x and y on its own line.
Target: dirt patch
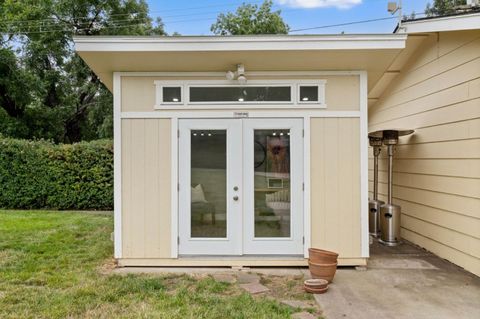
pixel 289 287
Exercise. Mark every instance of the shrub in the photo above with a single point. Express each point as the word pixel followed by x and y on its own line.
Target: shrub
pixel 41 174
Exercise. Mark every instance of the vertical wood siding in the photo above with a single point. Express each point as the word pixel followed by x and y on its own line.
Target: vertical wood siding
pixel 335 185
pixel 437 170
pixel 146 188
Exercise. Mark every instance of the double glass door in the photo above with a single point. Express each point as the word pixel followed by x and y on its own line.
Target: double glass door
pixel 241 187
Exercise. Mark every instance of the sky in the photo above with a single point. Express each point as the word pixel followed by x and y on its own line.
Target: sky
pixel 189 17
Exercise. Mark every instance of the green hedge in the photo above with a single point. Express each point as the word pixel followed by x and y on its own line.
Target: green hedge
pixel 40 174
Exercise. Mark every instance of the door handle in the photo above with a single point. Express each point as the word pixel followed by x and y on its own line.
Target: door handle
pixel 235 198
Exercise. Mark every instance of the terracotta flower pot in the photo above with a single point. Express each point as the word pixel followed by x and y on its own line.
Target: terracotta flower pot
pixel 322 271
pixel 315 290
pixel 320 256
pixel 315 283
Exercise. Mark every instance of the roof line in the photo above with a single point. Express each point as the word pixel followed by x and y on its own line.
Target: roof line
pixel 241 43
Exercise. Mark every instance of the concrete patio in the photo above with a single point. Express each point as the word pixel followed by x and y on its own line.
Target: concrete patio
pixel 402 282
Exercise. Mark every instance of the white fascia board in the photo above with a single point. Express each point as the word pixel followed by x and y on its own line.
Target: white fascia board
pixel 451 23
pixel 239 43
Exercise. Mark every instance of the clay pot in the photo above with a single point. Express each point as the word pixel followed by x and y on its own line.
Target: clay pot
pixel 320 256
pixel 315 283
pixel 315 290
pixel 322 271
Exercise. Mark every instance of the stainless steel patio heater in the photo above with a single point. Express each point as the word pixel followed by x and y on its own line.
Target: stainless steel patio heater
pixel 374 204
pixel 389 212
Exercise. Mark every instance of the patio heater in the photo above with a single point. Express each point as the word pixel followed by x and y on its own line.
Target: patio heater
pixel 374 204
pixel 389 212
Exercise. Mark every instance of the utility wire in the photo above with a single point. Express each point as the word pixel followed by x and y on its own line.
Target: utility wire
pixel 88 18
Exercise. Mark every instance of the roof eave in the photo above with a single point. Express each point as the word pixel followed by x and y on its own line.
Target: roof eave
pixel 242 43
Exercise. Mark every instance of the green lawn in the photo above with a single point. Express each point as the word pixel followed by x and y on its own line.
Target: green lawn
pixel 53 265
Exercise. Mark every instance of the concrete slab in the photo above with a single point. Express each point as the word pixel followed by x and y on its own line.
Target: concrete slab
pixel 254 288
pixel 224 278
pixel 403 282
pixel 246 278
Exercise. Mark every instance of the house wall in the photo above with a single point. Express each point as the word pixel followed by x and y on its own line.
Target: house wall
pixel 146 188
pixel 437 170
pixel 146 177
pixel 336 96
pixel 335 185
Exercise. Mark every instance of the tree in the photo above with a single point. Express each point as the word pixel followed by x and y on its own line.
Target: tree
pixel 443 7
pixel 250 19
pixel 63 99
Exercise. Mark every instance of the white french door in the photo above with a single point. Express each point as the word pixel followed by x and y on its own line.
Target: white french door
pixel 241 186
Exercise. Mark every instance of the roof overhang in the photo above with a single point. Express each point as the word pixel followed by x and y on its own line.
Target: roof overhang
pixel 441 24
pixel 372 53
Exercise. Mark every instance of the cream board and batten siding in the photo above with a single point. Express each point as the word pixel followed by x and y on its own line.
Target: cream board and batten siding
pixel 437 170
pixel 335 185
pixel 147 176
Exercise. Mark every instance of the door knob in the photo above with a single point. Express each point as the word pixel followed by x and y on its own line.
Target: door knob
pixel 235 198
pixel 235 188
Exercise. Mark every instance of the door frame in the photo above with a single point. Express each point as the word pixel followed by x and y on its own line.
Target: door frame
pixel 243 232
pixel 232 244
pixel 292 245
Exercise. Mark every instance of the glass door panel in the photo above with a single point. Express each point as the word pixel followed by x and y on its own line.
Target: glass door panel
pixel 208 200
pixel 273 186
pixel 272 182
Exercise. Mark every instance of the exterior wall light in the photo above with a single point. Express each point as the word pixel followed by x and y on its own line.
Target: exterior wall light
pixel 239 74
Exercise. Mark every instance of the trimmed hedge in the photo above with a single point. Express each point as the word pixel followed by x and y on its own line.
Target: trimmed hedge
pixel 41 174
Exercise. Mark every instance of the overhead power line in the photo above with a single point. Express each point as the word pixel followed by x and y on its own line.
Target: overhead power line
pixel 343 24
pixel 54 19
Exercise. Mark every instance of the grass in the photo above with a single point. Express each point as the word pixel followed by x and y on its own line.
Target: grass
pixel 53 265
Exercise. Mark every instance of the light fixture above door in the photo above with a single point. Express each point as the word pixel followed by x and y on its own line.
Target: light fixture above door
pixel 238 75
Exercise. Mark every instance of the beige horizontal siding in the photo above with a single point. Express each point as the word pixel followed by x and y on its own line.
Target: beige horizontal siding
pixel 437 170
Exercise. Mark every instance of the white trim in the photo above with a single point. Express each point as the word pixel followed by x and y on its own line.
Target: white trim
pixel 364 164
pixel 293 244
pixel 159 102
pixel 441 24
pixel 232 243
pixel 117 165
pixel 320 84
pixel 251 74
pixel 238 43
pixel 232 113
pixel 185 85
pixel 174 188
pixel 306 190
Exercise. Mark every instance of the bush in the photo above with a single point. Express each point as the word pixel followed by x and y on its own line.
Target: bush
pixel 41 174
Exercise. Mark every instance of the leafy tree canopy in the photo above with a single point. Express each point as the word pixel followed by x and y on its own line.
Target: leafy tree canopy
pixel 46 90
pixel 442 7
pixel 250 19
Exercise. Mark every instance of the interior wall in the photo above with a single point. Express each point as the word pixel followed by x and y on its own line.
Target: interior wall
pixel 437 170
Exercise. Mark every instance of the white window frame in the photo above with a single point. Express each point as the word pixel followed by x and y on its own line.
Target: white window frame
pixel 159 94
pixel 320 84
pixel 186 104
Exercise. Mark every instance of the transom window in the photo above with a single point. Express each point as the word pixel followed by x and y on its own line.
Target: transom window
pixel 240 94
pixel 198 94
